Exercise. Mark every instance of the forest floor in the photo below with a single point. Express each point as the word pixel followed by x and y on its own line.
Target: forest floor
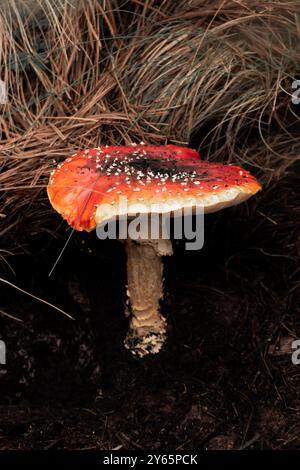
pixel 225 379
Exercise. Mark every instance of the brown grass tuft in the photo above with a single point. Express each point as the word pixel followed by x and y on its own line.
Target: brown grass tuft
pixel 214 74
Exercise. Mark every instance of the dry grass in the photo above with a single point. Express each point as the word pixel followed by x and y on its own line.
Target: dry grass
pixel 217 74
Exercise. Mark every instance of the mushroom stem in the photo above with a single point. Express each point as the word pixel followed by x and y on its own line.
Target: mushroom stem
pixel 147 329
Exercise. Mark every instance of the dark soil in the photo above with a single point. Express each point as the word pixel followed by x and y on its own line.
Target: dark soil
pixel 225 379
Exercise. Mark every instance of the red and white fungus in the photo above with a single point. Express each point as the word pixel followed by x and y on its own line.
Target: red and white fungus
pixel 167 177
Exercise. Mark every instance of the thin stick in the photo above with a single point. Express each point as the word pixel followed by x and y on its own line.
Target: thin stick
pixel 12 317
pixel 5 281
pixel 61 253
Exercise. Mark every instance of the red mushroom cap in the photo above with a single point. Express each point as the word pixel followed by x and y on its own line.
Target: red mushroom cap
pixel 168 176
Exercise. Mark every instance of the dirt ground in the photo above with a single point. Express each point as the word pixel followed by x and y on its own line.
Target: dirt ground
pixel 225 379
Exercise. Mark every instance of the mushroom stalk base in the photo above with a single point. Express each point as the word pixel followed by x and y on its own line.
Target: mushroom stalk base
pixel 147 329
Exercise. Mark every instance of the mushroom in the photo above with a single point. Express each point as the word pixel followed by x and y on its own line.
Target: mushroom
pixel 90 188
